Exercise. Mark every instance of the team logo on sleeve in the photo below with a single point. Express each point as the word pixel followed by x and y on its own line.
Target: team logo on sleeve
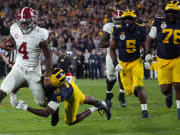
pixel 163 25
pixel 122 36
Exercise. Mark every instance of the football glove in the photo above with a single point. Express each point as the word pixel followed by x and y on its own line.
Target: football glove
pixel 148 57
pixel 118 68
pixel 147 65
pixel 22 105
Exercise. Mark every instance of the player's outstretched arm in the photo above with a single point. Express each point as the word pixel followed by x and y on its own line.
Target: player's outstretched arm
pixel 113 46
pixel 40 112
pixel 47 53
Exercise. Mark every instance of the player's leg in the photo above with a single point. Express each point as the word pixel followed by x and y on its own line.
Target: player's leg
pixel 12 81
pixel 165 80
pixel 166 90
pixel 121 96
pixel 176 83
pixel 138 76
pixel 177 91
pixel 13 94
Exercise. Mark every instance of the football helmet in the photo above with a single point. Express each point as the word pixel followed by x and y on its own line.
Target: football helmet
pixel 172 5
pixel 128 20
pixel 57 77
pixel 26 19
pixel 116 17
pixel 171 11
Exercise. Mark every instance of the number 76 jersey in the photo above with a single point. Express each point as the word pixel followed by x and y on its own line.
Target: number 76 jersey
pixel 128 43
pixel 167 37
pixel 27 45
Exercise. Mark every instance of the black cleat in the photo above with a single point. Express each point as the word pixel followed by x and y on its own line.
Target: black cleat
pixel 121 99
pixel 178 114
pixel 169 101
pixel 108 113
pixel 55 117
pixel 102 105
pixel 145 114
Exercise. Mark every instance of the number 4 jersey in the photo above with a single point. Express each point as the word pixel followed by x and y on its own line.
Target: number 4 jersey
pixel 129 42
pixel 27 45
pixel 167 38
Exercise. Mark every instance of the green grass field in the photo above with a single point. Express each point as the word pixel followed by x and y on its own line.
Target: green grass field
pixel 125 121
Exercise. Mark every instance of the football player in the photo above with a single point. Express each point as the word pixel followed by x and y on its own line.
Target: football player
pixel 29 40
pixel 127 39
pixel 166 31
pixel 71 95
pixel 111 73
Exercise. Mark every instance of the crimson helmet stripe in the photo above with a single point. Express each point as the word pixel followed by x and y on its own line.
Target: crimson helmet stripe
pixel 22 12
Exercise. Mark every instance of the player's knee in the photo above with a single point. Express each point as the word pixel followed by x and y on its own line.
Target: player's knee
pixel 166 89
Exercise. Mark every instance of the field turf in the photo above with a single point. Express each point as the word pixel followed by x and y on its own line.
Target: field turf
pixel 125 121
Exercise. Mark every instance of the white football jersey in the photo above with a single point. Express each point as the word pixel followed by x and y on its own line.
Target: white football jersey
pixel 27 45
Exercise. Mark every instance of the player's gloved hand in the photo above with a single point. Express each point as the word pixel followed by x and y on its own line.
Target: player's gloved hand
pixel 118 68
pixel 147 65
pixel 13 100
pixel 148 57
pixel 22 105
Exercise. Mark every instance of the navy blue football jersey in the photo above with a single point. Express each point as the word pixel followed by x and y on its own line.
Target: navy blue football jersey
pixel 129 42
pixel 62 93
pixel 168 38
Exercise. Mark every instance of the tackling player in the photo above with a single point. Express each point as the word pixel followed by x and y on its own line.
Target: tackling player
pixel 111 73
pixel 166 31
pixel 29 40
pixel 71 95
pixel 127 39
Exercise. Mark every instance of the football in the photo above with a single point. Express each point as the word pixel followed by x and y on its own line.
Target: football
pixel 10 42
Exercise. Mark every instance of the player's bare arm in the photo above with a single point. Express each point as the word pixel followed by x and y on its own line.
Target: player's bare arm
pixel 148 43
pixel 113 46
pixel 47 54
pixel 41 112
pixel 104 42
pixel 8 44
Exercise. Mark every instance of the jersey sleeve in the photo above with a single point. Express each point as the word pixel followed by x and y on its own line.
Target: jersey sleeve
pixel 107 28
pixel 13 29
pixel 44 34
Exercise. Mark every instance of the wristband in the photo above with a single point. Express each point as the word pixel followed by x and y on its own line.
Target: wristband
pixel 46 77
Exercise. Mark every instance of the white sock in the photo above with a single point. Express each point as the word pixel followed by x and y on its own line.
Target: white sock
pixel 93 109
pixel 143 107
pixel 121 91
pixel 13 96
pixel 108 91
pixel 178 104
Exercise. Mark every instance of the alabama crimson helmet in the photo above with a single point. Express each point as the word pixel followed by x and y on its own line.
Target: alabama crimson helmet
pixel 116 17
pixel 26 19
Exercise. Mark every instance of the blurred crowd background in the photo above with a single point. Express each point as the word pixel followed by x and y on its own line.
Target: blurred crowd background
pixel 75 28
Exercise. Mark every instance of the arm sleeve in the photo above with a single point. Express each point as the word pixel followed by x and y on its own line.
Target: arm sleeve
pixel 53 105
pixel 44 35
